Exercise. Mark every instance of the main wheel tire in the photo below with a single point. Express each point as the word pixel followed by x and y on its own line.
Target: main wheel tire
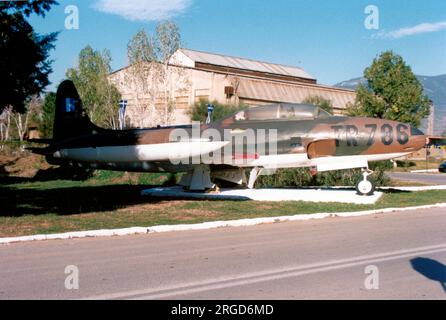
pixel 365 188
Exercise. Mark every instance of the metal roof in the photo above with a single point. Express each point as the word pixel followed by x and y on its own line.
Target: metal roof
pixel 293 93
pixel 246 64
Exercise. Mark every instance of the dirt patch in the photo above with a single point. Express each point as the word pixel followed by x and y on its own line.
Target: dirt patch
pixel 24 165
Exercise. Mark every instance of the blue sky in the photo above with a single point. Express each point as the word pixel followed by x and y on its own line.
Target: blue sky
pixel 325 37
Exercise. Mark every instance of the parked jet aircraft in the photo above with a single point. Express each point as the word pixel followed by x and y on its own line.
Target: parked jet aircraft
pixel 254 141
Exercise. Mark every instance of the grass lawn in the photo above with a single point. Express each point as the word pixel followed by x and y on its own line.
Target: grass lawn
pixel 104 202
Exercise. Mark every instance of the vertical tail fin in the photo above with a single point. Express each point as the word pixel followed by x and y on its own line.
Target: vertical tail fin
pixel 70 119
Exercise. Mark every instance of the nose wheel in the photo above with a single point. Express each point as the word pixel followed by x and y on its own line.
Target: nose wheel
pixel 365 187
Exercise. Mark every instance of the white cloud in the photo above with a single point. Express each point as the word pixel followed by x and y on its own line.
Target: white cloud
pixel 143 10
pixel 410 31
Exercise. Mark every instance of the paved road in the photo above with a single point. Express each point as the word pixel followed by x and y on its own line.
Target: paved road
pixel 303 260
pixel 428 178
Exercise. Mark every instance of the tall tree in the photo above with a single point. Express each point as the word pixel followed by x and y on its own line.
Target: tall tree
pixel 47 115
pixel 168 41
pixel 24 54
pixel 151 77
pixel 5 124
pixel 99 96
pixel 392 92
pixel 22 120
pixel 142 78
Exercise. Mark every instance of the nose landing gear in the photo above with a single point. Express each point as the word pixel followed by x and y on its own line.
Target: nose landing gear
pixel 365 187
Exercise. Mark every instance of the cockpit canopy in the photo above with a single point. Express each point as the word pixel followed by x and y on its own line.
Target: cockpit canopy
pixel 282 111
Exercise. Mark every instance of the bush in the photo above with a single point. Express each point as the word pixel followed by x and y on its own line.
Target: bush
pixel 406 164
pixel 320 102
pixel 302 177
pixel 199 111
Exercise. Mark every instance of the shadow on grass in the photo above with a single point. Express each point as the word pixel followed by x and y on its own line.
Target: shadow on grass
pixel 394 191
pixel 16 202
pixel 51 174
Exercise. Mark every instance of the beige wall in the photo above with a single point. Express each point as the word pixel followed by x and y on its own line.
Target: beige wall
pixel 211 86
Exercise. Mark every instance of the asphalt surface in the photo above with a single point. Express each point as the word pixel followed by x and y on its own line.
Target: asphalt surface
pixel 319 259
pixel 427 178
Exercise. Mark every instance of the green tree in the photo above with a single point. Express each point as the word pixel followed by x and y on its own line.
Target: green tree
pixel 140 48
pixel 47 115
pixel 321 102
pixel 24 54
pixel 99 96
pixel 392 92
pixel 39 7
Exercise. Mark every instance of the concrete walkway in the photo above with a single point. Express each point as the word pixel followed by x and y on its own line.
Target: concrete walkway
pixel 309 195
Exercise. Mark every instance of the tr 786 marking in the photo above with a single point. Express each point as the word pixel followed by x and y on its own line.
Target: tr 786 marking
pixel 388 134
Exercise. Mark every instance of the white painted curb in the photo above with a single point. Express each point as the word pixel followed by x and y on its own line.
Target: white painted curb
pixel 208 225
pixel 426 171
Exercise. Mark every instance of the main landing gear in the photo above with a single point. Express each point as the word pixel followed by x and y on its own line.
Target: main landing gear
pixel 365 187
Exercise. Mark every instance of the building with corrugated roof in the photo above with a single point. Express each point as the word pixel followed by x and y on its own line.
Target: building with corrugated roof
pixel 231 80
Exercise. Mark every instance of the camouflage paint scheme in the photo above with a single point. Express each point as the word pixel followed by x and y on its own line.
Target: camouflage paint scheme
pixel 303 131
